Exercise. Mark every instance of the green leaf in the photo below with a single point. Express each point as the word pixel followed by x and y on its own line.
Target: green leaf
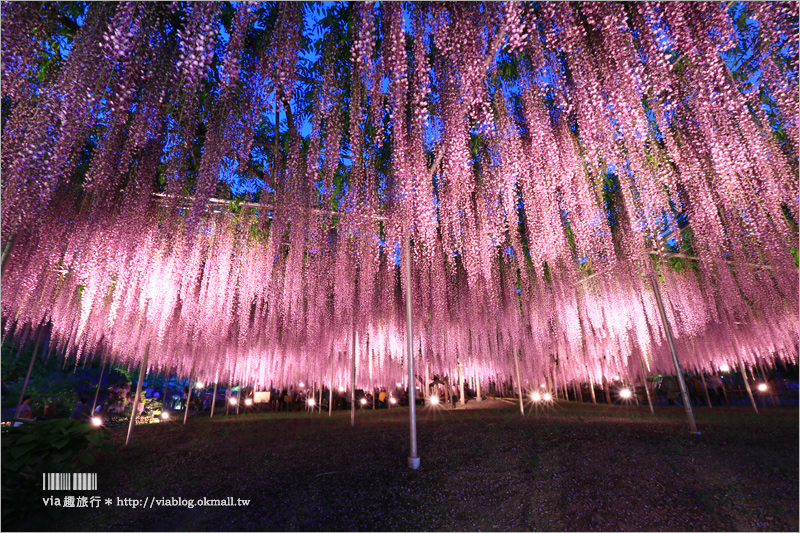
pixel 87 458
pixel 28 438
pixel 60 443
pixel 19 451
pixel 95 438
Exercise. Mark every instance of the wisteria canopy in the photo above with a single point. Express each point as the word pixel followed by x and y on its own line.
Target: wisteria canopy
pixel 231 187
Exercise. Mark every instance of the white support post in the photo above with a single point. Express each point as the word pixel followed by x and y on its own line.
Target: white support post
pixel 238 397
pixel 30 369
pixel 684 393
pixel 461 382
pixel 747 383
pixel 188 396
pixel 426 389
pixel 413 459
pixel 7 249
pixel 519 385
pixel 644 381
pixel 705 388
pixel 135 407
pixel 353 382
pixel 100 382
pixel 164 395
pixel 214 398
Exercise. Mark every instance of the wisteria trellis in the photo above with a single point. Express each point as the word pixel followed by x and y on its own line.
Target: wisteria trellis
pixel 536 229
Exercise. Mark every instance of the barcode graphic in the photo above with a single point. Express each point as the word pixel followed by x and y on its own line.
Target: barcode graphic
pixel 82 481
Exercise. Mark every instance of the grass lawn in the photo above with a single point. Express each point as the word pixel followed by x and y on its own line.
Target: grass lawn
pixel 569 467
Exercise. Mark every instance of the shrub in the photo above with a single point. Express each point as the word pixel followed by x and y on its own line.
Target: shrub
pixel 34 448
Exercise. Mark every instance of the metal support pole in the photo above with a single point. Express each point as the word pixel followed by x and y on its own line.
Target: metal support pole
pixel 644 381
pixel 166 388
pixel 684 393
pixel 99 382
pixel 330 392
pixel 519 385
pixel 50 351
pixel 461 381
pixel 633 391
pixel 9 247
pixel 591 386
pixel 23 336
pixel 30 369
pixel 426 389
pixel 705 388
pixel 478 386
pixel 765 376
pixel 8 336
pixel 564 381
pixel 353 382
pixel 555 383
pixel 747 384
pixel 413 459
pixel 188 396
pixel 135 406
pixel 229 394
pixel 449 393
pixel 238 397
pixel 214 399
pixel 724 391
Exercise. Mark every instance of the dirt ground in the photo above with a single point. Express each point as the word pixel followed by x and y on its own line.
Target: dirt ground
pixel 567 467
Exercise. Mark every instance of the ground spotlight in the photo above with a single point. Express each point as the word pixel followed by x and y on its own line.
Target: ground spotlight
pixel 97 421
pixel 341 389
pixel 199 385
pixel 434 400
pixel 363 401
pixel 547 396
pixel 625 394
pixel 762 387
pixel 164 415
pixel 232 401
pixel 248 402
pixel 536 397
pixel 393 400
pixel 311 402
